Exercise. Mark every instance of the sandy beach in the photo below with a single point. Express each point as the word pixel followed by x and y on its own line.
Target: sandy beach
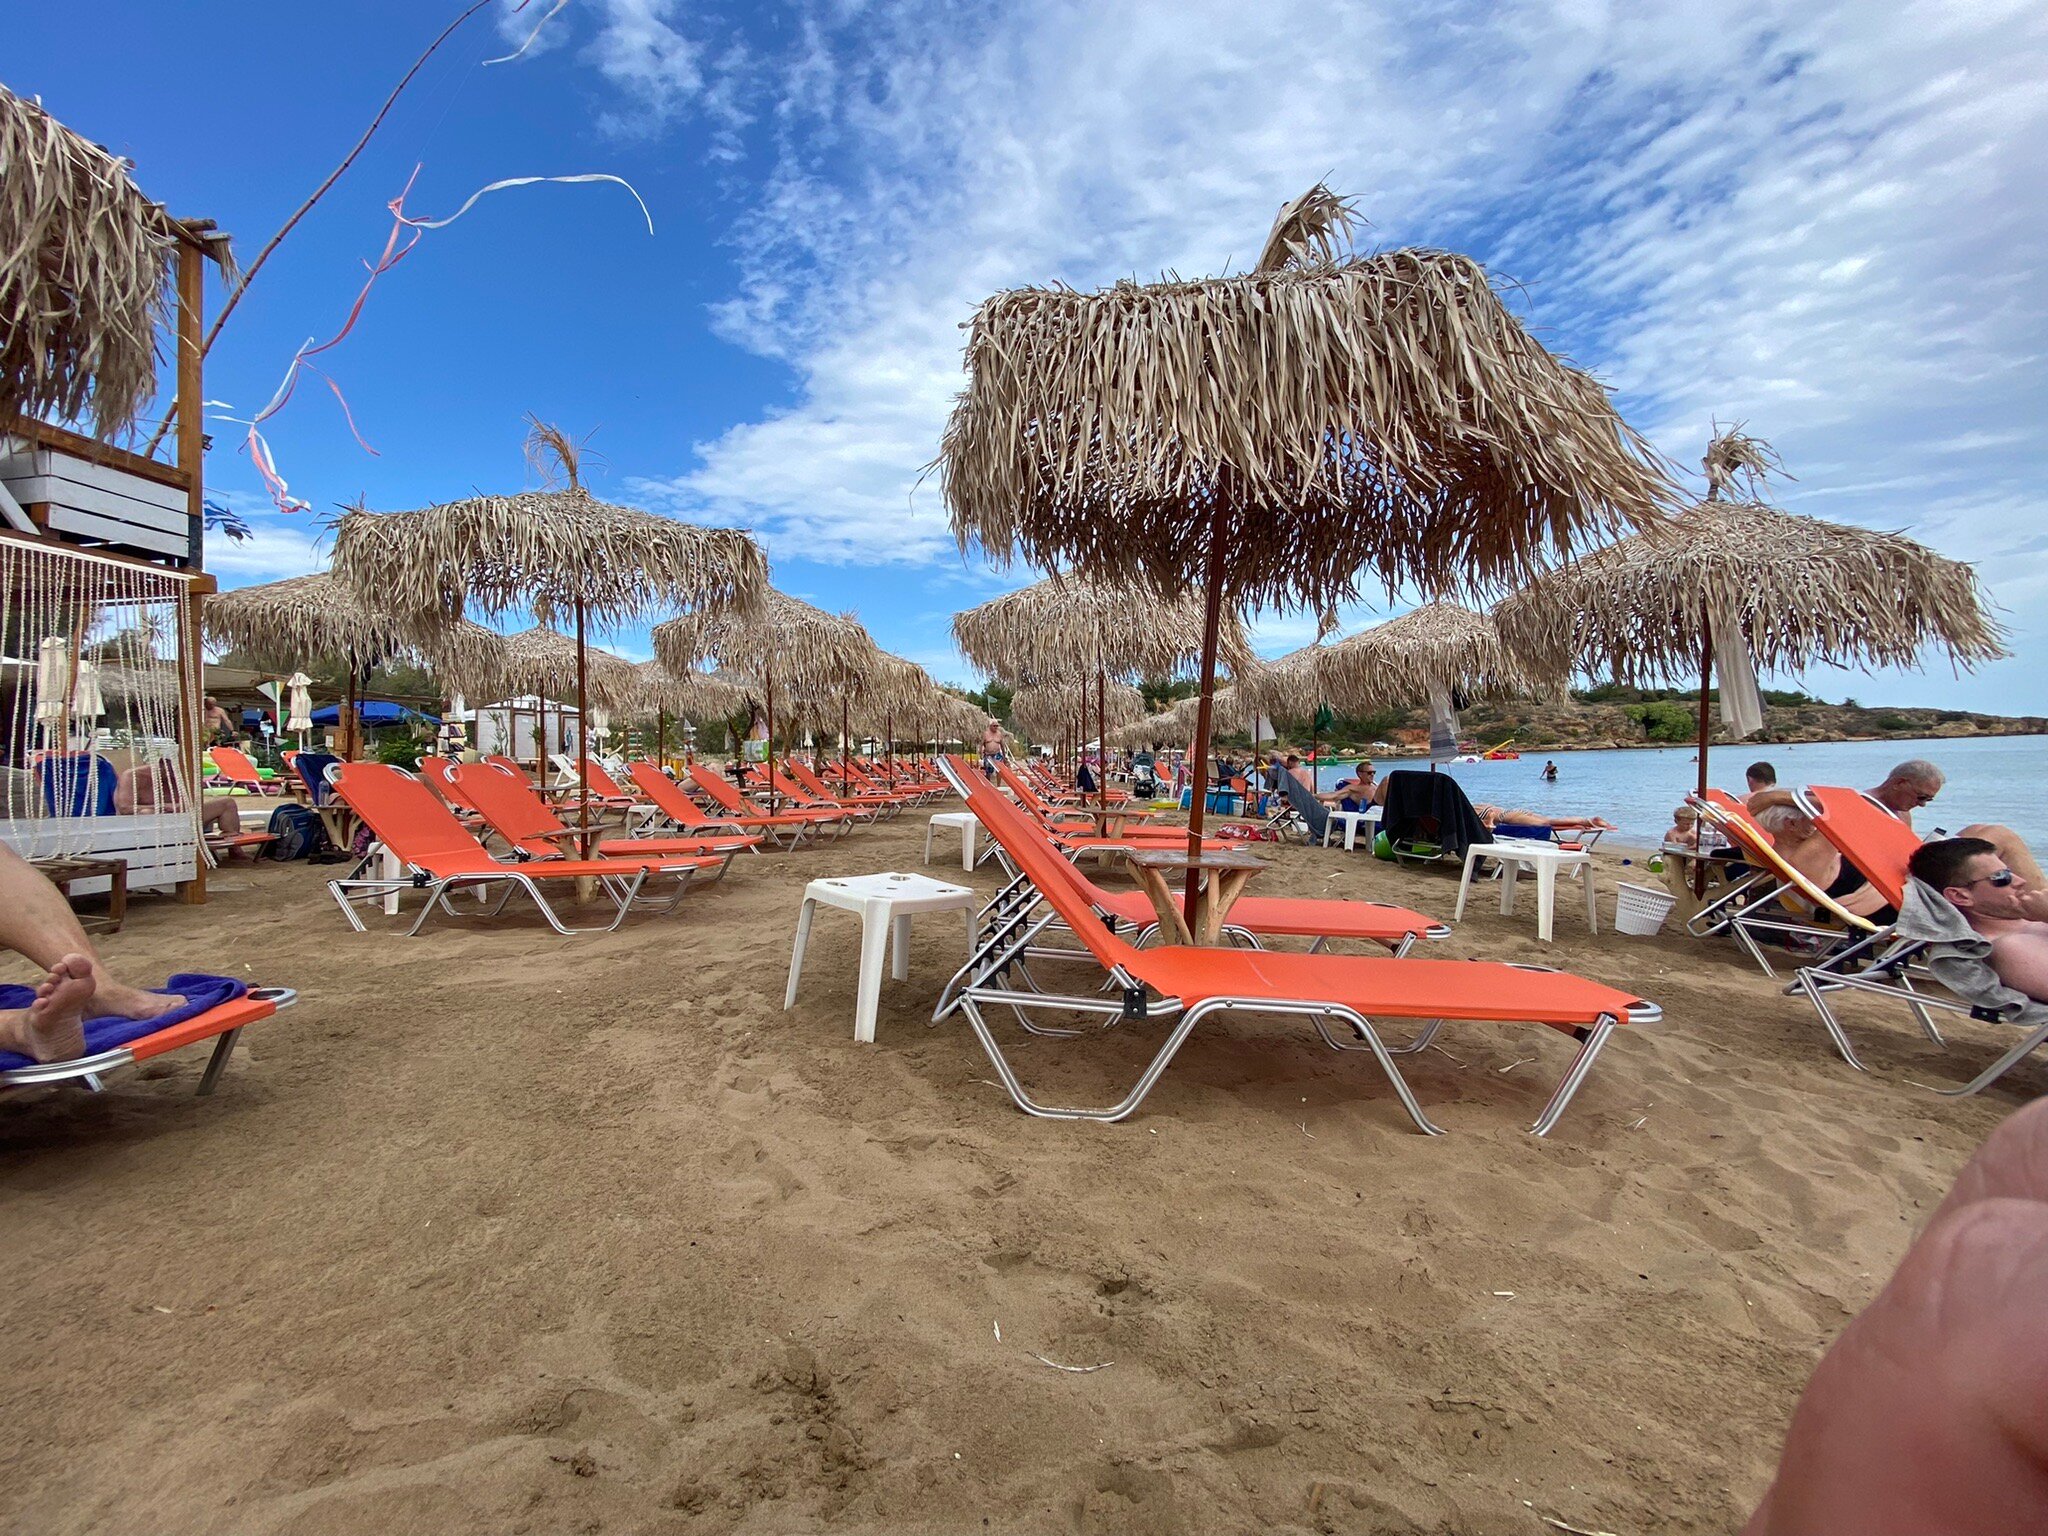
pixel 502 1232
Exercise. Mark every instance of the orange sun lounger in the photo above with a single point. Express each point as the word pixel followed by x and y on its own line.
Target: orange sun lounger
pixel 1181 986
pixel 516 812
pixel 441 857
pixel 725 794
pixel 222 1024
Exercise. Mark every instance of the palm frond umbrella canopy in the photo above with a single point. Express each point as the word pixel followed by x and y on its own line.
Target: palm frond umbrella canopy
pixel 688 696
pixel 1287 685
pixel 1065 629
pixel 1045 711
pixel 549 552
pixel 1274 438
pixel 780 641
pixel 1430 655
pixel 85 274
pixel 1740 581
pixel 284 624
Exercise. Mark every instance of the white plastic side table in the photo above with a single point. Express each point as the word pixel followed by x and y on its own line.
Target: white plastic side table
pixel 1546 859
pixel 1352 821
pixel 885 904
pixel 967 823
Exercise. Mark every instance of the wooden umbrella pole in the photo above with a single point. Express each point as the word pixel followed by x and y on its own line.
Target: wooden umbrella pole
pixel 1699 865
pixel 351 717
pixel 1212 622
pixel 582 735
pixel 660 741
pixel 768 741
pixel 845 751
pixel 1101 747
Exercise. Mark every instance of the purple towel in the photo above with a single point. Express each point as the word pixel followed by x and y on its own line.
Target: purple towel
pixel 200 991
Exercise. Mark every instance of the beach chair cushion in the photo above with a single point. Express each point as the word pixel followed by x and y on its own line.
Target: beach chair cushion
pixel 202 993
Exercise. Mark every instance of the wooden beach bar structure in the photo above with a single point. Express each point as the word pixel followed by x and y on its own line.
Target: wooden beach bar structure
pixel 102 547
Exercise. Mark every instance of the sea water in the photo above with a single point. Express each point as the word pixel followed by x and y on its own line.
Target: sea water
pixel 1990 778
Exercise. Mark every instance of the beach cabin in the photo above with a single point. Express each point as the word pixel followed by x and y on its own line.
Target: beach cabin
pixel 102 532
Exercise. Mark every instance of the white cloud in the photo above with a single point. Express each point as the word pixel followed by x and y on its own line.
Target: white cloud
pixel 1822 220
pixel 277 547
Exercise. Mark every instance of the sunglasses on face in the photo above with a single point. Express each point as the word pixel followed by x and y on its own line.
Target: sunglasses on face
pixel 2002 879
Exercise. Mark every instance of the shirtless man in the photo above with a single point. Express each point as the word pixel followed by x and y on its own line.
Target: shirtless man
pixel 1913 785
pixel 36 920
pixel 1800 843
pixel 1997 901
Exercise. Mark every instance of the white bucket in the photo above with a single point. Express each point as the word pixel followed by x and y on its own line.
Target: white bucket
pixel 1640 909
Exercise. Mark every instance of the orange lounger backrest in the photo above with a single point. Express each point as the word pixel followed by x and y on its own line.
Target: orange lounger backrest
pixel 510 805
pixel 1867 835
pixel 666 795
pixel 405 815
pixel 597 778
pixel 234 764
pixel 718 787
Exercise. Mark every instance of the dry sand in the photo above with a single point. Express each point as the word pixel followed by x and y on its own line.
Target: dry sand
pixel 503 1232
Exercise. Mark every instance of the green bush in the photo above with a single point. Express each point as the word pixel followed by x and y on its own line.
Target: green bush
pixel 1664 720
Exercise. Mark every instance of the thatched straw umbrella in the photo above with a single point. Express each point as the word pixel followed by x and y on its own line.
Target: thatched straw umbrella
pixel 692 695
pixel 1429 655
pixel 551 665
pixel 1068 629
pixel 1755 585
pixel 550 551
pixel 1277 436
pixel 781 641
pixel 1288 685
pixel 282 625
pixel 85 272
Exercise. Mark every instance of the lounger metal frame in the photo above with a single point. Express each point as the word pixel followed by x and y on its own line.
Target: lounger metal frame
pixel 623 889
pixel 91 1070
pixel 998 974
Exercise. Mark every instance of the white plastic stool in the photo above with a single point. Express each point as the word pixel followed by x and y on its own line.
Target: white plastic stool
pixel 1546 859
pixel 1351 819
pixel 885 903
pixel 966 821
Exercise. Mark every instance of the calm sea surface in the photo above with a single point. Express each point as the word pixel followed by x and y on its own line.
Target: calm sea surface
pixel 2002 778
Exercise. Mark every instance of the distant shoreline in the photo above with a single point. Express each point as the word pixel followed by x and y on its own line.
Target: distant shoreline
pixel 1671 746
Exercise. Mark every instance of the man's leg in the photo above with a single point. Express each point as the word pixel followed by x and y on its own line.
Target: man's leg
pixel 220 816
pixel 1930 1413
pixel 36 920
pixel 2011 848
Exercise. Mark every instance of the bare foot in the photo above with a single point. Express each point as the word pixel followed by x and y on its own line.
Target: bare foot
pixel 52 1028
pixel 132 1002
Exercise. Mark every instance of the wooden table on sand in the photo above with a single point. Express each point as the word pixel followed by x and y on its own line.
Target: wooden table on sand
pixel 1224 875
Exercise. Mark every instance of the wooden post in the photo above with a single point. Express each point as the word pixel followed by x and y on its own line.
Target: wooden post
pixel 191 393
pixel 1212 623
pixel 582 736
pixel 1101 750
pixel 767 742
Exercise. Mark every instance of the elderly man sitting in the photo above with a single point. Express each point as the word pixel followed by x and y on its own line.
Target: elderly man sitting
pixel 1998 902
pixel 1912 785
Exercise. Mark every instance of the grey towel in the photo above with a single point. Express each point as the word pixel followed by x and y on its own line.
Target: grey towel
pixel 1959 957
pixel 1310 809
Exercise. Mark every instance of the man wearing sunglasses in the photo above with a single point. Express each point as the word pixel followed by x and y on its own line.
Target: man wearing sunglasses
pixel 1996 902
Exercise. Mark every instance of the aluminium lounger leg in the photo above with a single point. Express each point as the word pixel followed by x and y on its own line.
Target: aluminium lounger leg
pixel 1998 1068
pixel 1574 1075
pixel 223 1048
pixel 1031 1106
pixel 1814 994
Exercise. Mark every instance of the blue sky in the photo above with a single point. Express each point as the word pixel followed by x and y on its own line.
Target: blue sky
pixel 1824 220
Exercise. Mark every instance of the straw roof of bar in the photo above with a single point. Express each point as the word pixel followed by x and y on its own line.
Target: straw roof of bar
pixel 85 271
pixel 1043 710
pixel 542 551
pixel 285 624
pixel 1437 648
pixel 694 695
pixel 543 661
pixel 1329 417
pixel 1803 591
pixel 802 650
pixel 1064 627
